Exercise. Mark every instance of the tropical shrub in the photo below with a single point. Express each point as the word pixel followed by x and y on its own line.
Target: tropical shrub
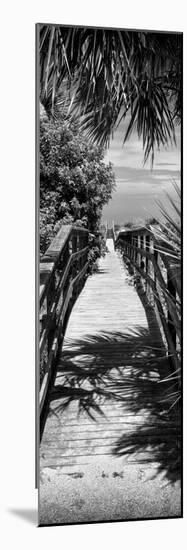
pixel 75 183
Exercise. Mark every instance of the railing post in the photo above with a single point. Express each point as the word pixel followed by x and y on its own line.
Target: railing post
pixel 172 291
pixel 142 261
pixel 135 252
pixel 50 298
pixel 131 249
pixel 147 248
pixel 139 256
pixel 155 253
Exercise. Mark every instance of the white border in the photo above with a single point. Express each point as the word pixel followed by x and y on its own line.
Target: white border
pixel 17 268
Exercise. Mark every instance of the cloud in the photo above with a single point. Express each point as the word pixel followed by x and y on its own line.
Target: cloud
pixel 131 174
pixel 131 153
pixel 138 187
pixel 166 164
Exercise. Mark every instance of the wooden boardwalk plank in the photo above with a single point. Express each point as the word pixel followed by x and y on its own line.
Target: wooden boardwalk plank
pixel 107 434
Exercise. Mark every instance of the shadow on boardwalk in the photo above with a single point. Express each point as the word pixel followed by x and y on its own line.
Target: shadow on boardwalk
pixel 127 368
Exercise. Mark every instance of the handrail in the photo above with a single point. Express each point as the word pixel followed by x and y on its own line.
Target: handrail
pixel 63 269
pixel 158 275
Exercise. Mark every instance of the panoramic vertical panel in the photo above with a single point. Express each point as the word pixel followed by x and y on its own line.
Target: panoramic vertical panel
pixel 109 105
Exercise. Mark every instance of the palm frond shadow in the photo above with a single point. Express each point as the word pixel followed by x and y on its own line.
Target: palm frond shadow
pixel 130 369
pixel 161 441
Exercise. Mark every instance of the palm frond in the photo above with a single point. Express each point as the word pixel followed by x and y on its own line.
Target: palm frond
pixel 112 72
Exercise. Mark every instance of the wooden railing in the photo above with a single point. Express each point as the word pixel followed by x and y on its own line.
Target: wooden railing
pixel 63 271
pixel 157 273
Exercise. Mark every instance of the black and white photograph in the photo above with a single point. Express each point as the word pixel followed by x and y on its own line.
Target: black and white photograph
pixel 109 115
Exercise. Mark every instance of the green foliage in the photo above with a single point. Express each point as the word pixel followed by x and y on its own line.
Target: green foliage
pixel 75 183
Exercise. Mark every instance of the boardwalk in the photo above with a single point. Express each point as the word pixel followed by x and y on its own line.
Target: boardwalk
pixel 108 450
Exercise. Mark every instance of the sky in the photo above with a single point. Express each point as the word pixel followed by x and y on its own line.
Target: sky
pixel 138 187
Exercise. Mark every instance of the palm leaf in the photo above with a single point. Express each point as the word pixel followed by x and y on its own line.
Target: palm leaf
pixel 112 72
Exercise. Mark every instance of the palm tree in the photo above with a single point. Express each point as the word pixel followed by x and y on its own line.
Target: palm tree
pixel 103 74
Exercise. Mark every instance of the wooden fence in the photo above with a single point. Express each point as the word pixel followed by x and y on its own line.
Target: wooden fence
pixel 157 271
pixel 62 274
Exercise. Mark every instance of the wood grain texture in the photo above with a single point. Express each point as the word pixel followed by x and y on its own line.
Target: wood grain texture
pixel 108 449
